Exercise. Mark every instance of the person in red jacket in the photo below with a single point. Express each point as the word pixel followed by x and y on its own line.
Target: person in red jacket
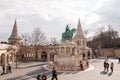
pixel 44 77
pixel 81 66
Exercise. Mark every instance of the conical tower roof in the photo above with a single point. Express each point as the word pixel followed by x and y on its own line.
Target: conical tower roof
pixel 15 34
pixel 79 34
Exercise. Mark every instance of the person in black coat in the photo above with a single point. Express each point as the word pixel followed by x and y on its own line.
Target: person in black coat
pixel 38 77
pixel 111 67
pixel 54 74
pixel 9 68
pixel 3 68
pixel 107 66
pixel 119 59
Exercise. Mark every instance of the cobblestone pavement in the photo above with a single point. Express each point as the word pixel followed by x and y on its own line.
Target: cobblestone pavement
pixel 30 70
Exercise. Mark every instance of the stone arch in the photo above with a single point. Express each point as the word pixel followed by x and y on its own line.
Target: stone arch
pixel 78 42
pixel 44 56
pixel 3 59
pixel 83 55
pixel 88 54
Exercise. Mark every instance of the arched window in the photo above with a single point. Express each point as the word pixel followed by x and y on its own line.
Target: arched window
pixel 51 57
pixel 88 53
pixel 79 42
pixel 44 56
pixel 83 55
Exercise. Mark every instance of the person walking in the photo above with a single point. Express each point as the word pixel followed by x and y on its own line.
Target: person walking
pixel 104 66
pixel 54 74
pixel 111 67
pixel 107 66
pixel 119 59
pixel 3 69
pixel 9 68
pixel 38 77
pixel 81 66
pixel 44 77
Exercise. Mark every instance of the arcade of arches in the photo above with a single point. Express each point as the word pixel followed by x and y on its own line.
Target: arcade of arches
pixel 44 53
pixel 6 59
pixel 7 54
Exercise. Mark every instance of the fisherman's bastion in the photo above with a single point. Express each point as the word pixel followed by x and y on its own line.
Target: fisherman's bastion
pixel 66 57
pixel 77 47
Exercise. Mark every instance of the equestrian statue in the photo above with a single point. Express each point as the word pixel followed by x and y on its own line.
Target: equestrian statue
pixel 68 34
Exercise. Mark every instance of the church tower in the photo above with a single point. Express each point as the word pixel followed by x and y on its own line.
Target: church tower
pixel 79 38
pixel 15 37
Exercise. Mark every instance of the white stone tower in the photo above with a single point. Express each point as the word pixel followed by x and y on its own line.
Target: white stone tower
pixel 15 37
pixel 79 38
pixel 81 43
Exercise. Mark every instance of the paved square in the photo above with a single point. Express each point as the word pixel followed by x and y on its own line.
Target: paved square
pixel 29 71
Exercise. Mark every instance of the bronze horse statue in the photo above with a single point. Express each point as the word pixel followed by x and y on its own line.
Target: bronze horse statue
pixel 68 34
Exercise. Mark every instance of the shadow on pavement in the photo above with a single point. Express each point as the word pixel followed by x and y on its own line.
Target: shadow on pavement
pixel 103 72
pixel 110 74
pixel 32 66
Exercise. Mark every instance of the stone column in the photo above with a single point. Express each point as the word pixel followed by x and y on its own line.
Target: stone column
pixel 48 56
pixel 40 55
pixel 13 58
pixel 5 60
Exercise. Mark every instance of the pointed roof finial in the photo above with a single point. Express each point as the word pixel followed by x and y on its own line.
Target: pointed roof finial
pixel 79 33
pixel 15 34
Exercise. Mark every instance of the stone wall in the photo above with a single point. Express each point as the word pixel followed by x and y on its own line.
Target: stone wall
pixel 68 63
pixel 110 52
pixel 68 60
pixel 50 65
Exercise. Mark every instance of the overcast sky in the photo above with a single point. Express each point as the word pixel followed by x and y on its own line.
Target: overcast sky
pixel 53 15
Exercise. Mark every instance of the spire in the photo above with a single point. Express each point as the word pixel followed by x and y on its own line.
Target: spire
pixel 15 34
pixel 79 33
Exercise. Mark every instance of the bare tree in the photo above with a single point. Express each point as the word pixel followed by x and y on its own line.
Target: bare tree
pixel 37 38
pixel 55 44
pixel 108 38
pixel 53 41
pixel 26 38
pixel 105 38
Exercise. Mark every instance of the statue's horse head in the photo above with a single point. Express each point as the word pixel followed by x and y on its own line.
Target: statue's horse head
pixel 73 30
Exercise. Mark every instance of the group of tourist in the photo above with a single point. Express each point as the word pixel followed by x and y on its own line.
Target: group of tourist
pixel 7 69
pixel 44 77
pixel 107 66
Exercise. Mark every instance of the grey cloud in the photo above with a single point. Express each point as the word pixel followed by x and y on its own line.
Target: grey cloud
pixel 53 15
pixel 110 14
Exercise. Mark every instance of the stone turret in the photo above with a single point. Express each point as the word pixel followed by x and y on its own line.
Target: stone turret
pixel 79 38
pixel 15 37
